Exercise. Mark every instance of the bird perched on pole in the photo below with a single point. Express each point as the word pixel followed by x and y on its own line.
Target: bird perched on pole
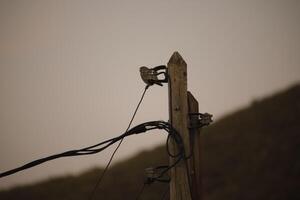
pixel 150 76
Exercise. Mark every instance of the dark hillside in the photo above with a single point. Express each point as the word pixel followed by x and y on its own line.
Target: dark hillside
pixel 250 154
pixel 254 153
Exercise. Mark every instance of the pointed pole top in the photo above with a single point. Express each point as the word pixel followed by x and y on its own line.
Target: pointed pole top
pixel 192 99
pixel 176 59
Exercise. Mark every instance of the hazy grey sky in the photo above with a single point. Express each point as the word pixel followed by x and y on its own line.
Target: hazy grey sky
pixel 69 70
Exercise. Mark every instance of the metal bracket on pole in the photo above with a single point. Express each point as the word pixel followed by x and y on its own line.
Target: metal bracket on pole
pixel 202 119
pixel 155 174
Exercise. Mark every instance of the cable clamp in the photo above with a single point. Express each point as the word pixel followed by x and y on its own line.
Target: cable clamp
pixel 151 75
pixel 155 174
pixel 198 120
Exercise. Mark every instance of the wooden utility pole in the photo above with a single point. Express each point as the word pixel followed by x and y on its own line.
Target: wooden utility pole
pixel 185 176
pixel 195 160
pixel 178 111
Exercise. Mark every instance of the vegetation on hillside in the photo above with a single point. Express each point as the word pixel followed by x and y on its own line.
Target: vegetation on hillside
pixel 254 153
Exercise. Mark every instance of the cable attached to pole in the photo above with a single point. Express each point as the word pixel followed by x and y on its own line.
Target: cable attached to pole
pixel 141 128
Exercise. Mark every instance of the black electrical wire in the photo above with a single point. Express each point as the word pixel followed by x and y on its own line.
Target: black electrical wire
pixel 168 148
pixel 79 152
pixel 140 192
pixel 118 146
pixel 180 155
pixel 64 154
pixel 165 194
pixel 172 133
pixel 84 151
pixel 92 149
